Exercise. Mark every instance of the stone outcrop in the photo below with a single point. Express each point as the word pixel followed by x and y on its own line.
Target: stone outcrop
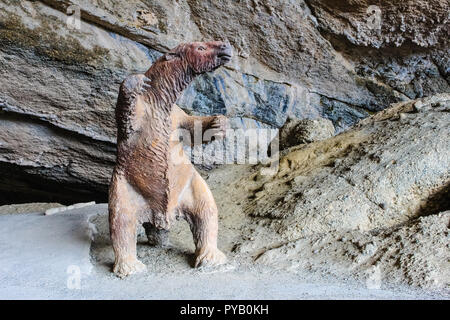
pixel 384 172
pixel 371 202
pixel 295 131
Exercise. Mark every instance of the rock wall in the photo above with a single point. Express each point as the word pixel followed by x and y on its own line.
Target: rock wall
pixel 307 59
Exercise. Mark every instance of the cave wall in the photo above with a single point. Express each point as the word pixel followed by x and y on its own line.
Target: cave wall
pixel 308 59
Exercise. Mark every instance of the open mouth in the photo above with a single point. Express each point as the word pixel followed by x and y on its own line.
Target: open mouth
pixel 224 56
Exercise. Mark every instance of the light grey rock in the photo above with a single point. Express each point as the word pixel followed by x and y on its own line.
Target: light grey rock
pixel 296 131
pixel 52 211
pixel 414 254
pixel 48 252
pixel 381 173
pixel 384 23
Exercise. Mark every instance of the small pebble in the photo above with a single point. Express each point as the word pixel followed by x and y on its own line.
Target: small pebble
pixel 418 106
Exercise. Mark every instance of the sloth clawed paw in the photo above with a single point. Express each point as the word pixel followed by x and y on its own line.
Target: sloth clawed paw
pixel 210 257
pixel 126 267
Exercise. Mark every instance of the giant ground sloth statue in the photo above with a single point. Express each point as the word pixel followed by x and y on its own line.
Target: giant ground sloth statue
pixel 147 186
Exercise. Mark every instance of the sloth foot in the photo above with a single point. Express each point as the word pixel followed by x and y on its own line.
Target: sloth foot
pixel 210 257
pixel 124 268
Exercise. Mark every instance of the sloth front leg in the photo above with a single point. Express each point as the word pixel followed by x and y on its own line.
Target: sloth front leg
pixel 122 225
pixel 215 126
pixel 202 217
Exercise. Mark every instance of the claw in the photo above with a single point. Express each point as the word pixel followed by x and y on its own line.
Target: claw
pixel 210 257
pixel 124 268
pixel 146 84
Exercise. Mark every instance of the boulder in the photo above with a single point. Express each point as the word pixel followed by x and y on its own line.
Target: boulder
pixel 296 131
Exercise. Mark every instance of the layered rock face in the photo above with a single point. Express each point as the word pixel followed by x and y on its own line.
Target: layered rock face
pixel 339 60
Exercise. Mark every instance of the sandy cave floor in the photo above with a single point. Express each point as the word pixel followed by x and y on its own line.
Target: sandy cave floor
pixel 62 241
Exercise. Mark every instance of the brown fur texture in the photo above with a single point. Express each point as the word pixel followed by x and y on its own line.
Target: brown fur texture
pixel 150 185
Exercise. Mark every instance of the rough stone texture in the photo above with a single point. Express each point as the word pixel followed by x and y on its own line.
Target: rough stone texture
pixel 424 23
pixel 247 142
pixel 382 173
pixel 37 207
pixel 295 131
pixel 416 253
pixel 406 50
pixel 370 203
pixel 306 59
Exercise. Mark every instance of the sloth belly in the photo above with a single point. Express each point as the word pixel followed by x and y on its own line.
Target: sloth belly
pixel 145 168
pixel 160 178
pixel 156 167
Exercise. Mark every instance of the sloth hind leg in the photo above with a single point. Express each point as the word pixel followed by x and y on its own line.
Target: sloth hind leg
pixel 202 215
pixel 122 225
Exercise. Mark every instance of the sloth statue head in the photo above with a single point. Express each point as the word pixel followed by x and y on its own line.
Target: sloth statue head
pixel 201 57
